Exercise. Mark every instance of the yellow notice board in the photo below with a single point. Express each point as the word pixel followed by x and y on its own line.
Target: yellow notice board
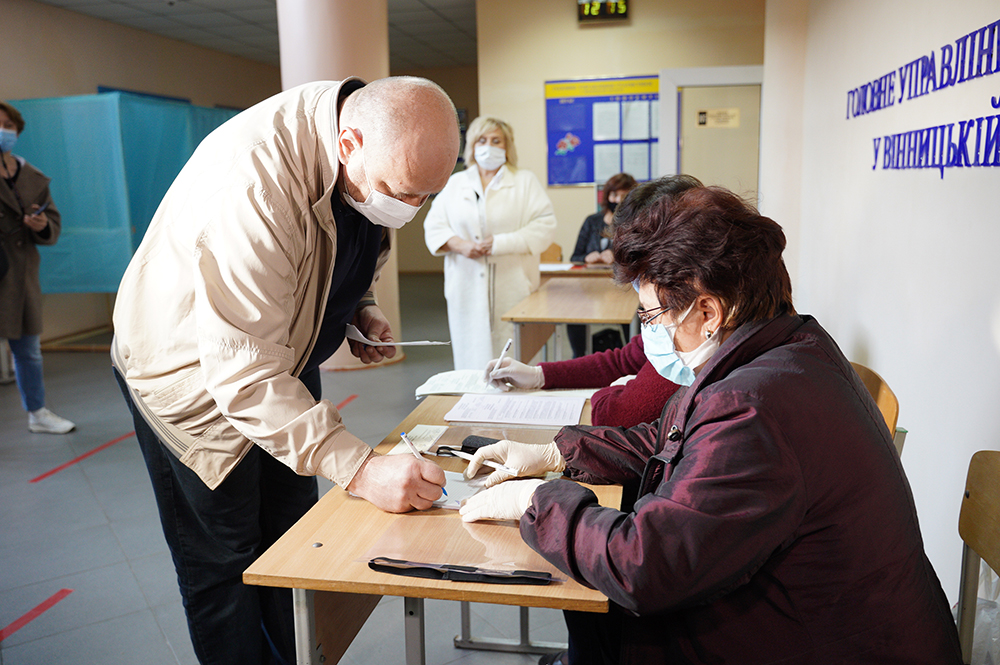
pixel 599 127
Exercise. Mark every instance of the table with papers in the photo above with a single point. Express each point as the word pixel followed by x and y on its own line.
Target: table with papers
pixel 324 557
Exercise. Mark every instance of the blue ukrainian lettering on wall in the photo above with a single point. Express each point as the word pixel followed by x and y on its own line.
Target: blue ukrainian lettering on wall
pixel 962 144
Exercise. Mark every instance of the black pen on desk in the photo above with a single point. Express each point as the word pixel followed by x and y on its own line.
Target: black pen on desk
pixel 506 348
pixel 416 453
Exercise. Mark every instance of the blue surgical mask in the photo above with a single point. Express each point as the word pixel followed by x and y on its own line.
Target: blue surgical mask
pixel 8 139
pixel 671 364
pixel 658 343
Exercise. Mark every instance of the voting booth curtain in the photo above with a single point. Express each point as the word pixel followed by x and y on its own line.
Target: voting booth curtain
pixel 111 158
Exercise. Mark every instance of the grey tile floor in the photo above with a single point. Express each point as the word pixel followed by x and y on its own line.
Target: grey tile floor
pixel 92 527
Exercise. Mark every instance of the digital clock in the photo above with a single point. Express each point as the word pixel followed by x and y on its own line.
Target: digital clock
pixel 590 10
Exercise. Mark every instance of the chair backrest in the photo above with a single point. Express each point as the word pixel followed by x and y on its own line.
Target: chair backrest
pixel 979 527
pixel 553 254
pixel 884 398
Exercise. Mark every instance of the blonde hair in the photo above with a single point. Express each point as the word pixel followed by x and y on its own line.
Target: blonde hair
pixel 483 125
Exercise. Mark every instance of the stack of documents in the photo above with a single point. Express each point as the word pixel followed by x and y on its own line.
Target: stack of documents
pixel 463 381
pixel 539 410
pixel 456 382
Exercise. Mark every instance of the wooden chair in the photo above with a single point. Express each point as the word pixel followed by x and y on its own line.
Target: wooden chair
pixel 553 254
pixel 886 401
pixel 979 527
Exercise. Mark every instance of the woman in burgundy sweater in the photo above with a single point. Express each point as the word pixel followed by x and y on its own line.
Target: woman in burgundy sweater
pixel 619 403
pixel 639 399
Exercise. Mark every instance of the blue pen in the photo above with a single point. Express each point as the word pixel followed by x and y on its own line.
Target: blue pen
pixel 416 453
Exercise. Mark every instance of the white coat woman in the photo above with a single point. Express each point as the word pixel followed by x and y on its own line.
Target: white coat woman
pixel 491 222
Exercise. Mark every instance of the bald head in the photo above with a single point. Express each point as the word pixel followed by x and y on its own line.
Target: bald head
pixel 409 129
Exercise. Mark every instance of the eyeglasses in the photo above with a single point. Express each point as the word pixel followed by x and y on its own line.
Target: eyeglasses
pixel 646 316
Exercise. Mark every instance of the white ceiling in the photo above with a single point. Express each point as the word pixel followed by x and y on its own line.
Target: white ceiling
pixel 422 33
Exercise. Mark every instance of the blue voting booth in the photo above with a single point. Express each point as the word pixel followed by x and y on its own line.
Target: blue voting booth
pixel 111 158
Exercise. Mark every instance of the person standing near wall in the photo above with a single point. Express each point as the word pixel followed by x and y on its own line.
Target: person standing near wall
pixel 491 223
pixel 28 217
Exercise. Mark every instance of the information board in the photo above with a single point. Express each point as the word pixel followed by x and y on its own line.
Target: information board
pixel 596 128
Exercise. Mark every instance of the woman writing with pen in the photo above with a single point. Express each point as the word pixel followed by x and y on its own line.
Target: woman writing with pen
pixel 27 218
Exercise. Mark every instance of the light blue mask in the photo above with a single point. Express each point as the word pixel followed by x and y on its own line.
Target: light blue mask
pixel 8 139
pixel 658 343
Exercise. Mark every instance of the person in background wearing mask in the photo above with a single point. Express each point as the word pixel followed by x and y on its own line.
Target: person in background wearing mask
pixel 631 390
pixel 28 217
pixel 593 246
pixel 491 223
pixel 266 245
pixel 767 518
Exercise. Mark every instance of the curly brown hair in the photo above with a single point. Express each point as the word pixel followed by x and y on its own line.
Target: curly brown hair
pixel 704 240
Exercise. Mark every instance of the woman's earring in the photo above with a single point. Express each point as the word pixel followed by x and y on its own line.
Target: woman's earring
pixel 708 334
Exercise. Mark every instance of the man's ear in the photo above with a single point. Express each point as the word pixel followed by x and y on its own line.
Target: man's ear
pixel 348 141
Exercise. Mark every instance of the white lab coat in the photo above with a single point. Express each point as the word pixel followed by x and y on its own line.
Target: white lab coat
pixel 516 211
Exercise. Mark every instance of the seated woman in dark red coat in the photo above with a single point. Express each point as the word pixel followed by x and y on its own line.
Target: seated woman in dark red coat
pixel 631 391
pixel 771 520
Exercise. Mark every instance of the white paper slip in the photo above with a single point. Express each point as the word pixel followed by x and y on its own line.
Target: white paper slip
pixel 355 334
pixel 538 410
pixel 423 437
pixel 555 267
pixel 456 382
pixel 459 489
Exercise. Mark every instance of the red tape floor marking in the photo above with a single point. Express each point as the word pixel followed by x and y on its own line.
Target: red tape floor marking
pixel 346 402
pixel 44 606
pixel 122 438
pixel 81 457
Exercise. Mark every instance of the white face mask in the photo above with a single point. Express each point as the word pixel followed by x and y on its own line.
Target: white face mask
pixel 490 157
pixel 380 208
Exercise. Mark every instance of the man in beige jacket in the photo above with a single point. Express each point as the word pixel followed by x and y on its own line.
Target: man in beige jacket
pixel 265 246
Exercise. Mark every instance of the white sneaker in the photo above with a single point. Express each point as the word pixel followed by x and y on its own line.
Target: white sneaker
pixel 47 422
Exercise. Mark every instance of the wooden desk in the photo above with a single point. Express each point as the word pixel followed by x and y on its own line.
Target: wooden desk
pixel 568 300
pixel 324 559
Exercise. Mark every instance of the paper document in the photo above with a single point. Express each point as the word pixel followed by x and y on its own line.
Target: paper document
pixel 462 381
pixel 423 437
pixel 355 334
pixel 456 382
pixel 555 267
pixel 539 410
pixel 458 489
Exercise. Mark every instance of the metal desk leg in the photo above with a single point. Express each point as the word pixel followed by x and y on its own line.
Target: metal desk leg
pixel 304 610
pixel 414 630
pixel 524 645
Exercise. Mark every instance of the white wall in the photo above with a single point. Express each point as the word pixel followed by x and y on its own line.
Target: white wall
pixel 899 265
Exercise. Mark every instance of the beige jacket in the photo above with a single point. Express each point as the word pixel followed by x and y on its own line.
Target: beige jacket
pixel 221 304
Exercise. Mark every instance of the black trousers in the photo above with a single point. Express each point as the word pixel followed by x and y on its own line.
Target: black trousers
pixel 214 535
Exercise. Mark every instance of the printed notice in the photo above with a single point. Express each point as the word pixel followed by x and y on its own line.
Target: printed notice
pixel 719 118
pixel 606 121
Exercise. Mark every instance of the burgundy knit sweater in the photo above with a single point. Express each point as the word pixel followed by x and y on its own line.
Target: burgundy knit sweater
pixel 638 401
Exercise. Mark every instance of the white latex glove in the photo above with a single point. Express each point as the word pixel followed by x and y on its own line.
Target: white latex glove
pixel 514 373
pixel 506 501
pixel 622 380
pixel 525 459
